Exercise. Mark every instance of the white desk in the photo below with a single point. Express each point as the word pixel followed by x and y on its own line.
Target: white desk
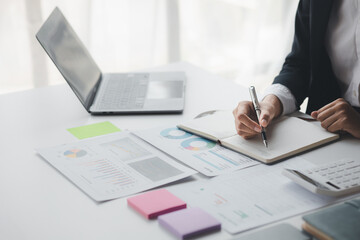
pixel 37 202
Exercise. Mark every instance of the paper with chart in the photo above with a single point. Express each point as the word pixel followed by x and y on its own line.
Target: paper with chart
pixel 114 165
pixel 251 197
pixel 201 154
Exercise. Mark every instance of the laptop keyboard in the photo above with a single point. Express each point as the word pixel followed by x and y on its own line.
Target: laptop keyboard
pixel 125 92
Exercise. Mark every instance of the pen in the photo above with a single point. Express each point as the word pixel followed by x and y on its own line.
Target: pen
pixel 256 104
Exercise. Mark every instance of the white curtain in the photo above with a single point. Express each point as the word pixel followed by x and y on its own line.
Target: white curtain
pixel 242 40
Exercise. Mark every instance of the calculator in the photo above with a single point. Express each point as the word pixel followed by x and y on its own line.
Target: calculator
pixel 332 179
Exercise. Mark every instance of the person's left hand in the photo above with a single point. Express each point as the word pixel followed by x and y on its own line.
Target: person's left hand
pixel 339 115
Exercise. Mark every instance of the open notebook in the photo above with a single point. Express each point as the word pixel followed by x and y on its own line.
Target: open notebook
pixel 286 136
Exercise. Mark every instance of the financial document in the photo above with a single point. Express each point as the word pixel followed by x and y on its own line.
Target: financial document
pixel 114 165
pixel 205 156
pixel 252 197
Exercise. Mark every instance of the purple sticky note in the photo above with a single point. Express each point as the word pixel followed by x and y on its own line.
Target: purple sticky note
pixel 154 203
pixel 189 222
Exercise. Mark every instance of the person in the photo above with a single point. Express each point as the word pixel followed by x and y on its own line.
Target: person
pixel 323 65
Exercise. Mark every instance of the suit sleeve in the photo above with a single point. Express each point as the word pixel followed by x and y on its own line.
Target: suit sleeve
pixel 295 73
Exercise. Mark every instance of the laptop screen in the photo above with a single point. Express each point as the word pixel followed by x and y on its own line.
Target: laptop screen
pixel 70 56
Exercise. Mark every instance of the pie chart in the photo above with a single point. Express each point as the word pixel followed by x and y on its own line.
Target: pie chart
pixel 74 153
pixel 197 144
pixel 175 133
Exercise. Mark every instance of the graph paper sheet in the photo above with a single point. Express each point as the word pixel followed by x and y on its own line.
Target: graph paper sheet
pixel 114 165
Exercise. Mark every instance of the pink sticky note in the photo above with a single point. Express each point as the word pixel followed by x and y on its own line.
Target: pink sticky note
pixel 155 203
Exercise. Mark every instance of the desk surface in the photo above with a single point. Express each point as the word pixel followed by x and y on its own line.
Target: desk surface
pixel 37 202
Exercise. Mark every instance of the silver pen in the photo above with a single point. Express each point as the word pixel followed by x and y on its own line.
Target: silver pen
pixel 256 104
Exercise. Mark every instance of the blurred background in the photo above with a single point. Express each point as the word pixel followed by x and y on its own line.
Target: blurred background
pixel 244 41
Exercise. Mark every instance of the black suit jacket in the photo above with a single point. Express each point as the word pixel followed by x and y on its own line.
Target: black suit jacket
pixel 307 70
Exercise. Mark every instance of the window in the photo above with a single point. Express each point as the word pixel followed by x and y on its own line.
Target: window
pixel 241 40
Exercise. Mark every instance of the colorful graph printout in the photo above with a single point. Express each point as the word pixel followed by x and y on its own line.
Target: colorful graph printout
pixel 205 156
pixel 252 197
pixel 114 165
pixel 197 144
pixel 175 133
pixel 74 153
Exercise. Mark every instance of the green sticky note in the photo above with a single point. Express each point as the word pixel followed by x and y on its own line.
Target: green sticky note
pixel 93 130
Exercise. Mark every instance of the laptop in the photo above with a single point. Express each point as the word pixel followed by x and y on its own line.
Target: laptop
pixel 108 93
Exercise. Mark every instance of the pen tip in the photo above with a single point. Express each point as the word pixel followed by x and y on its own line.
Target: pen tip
pixel 266 144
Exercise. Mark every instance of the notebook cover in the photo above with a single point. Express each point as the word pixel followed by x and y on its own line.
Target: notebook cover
pixel 155 203
pixel 338 222
pixel 189 222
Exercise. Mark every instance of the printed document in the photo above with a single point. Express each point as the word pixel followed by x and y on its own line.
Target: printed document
pixel 114 165
pixel 252 197
pixel 203 155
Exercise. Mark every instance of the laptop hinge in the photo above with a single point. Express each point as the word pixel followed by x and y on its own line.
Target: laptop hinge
pixel 92 95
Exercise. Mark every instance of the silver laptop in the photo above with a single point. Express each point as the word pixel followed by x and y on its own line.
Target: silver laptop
pixel 108 93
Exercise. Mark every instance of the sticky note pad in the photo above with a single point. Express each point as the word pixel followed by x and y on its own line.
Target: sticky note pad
pixel 155 203
pixel 189 222
pixel 93 130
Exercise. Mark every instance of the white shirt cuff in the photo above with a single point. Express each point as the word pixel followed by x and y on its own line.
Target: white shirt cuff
pixel 287 99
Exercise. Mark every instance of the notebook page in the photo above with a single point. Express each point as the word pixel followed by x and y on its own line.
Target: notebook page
pixel 286 136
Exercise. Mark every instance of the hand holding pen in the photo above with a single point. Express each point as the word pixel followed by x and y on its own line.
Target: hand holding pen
pixel 246 120
pixel 257 109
